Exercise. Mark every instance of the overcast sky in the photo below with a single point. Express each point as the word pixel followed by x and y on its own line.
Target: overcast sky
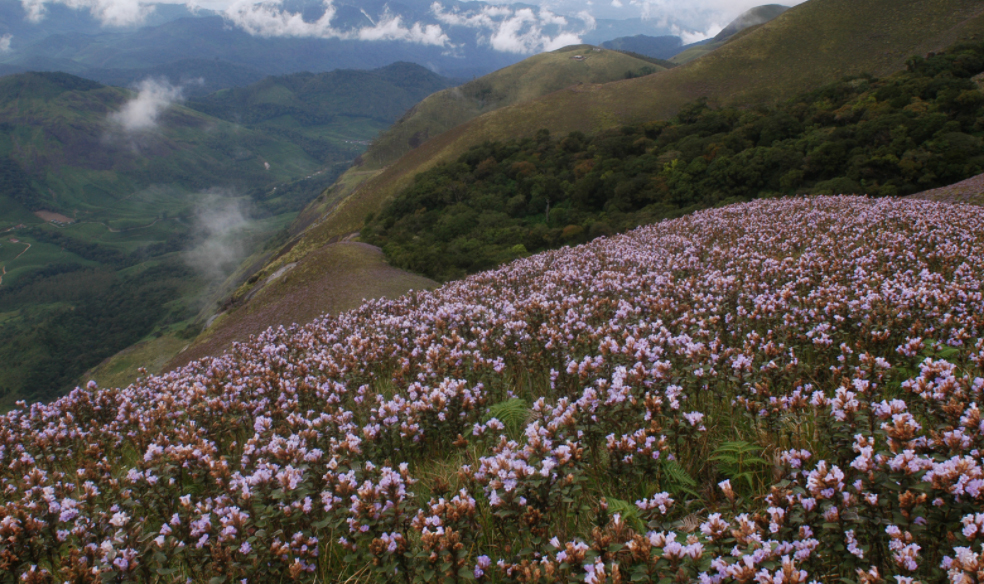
pixel 503 27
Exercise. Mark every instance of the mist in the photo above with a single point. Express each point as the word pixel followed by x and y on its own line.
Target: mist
pixel 112 13
pixel 142 112
pixel 220 235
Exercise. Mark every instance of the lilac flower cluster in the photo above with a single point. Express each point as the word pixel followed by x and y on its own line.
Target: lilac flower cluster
pixel 557 420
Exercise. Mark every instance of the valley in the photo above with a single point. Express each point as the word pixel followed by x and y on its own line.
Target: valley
pixel 165 205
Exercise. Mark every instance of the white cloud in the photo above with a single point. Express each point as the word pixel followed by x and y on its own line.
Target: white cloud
pixel 269 19
pixel 697 21
pixel 504 27
pixel 695 36
pixel 5 42
pixel 141 112
pixel 108 12
pixel 588 19
pixel 220 234
pixel 517 30
pixel 391 28
pixel 696 18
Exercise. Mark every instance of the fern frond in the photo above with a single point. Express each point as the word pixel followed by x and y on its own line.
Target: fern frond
pixel 677 475
pixel 628 511
pixel 512 412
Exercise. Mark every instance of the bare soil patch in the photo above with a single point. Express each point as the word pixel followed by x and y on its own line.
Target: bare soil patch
pixel 335 278
pixel 53 217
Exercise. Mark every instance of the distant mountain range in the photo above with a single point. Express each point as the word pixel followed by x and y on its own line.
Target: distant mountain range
pixel 455 39
pixel 661 47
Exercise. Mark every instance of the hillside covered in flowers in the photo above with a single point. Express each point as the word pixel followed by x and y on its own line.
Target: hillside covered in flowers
pixel 783 391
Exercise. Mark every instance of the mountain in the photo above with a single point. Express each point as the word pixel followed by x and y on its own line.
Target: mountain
pixel 325 113
pixel 211 51
pixel 525 81
pixel 67 133
pixel 313 99
pixel 672 47
pixel 661 47
pixel 607 29
pixel 559 419
pixel 764 64
pixel 755 17
pixel 211 37
pixel 196 77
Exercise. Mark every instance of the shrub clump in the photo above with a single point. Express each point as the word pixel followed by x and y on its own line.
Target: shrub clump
pixel 780 391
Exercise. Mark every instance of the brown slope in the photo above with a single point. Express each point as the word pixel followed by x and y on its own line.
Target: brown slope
pixel 335 278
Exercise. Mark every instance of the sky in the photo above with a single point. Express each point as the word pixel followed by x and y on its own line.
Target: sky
pixel 548 25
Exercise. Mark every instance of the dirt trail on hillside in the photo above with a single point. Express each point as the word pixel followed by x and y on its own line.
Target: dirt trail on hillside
pixel 111 230
pixel 25 250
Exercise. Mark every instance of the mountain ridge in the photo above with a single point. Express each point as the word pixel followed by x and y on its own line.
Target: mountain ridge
pixel 340 212
pixel 746 70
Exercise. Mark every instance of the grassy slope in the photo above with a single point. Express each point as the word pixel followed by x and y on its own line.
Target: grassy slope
pixel 749 20
pixel 337 277
pixel 805 47
pixel 122 369
pixel 522 82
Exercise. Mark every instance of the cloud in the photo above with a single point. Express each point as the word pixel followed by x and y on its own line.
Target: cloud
pixel 588 19
pixel 391 28
pixel 510 28
pixel 141 112
pixel 5 42
pixel 219 233
pixel 108 12
pixel 696 21
pixel 517 30
pixel 695 36
pixel 269 19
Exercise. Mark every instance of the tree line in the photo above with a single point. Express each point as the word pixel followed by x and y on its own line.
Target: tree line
pixel 918 129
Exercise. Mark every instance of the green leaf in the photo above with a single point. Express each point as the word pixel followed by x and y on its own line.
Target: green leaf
pixel 512 412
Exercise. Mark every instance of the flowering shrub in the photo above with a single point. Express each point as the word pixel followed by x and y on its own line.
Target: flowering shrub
pixel 784 391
